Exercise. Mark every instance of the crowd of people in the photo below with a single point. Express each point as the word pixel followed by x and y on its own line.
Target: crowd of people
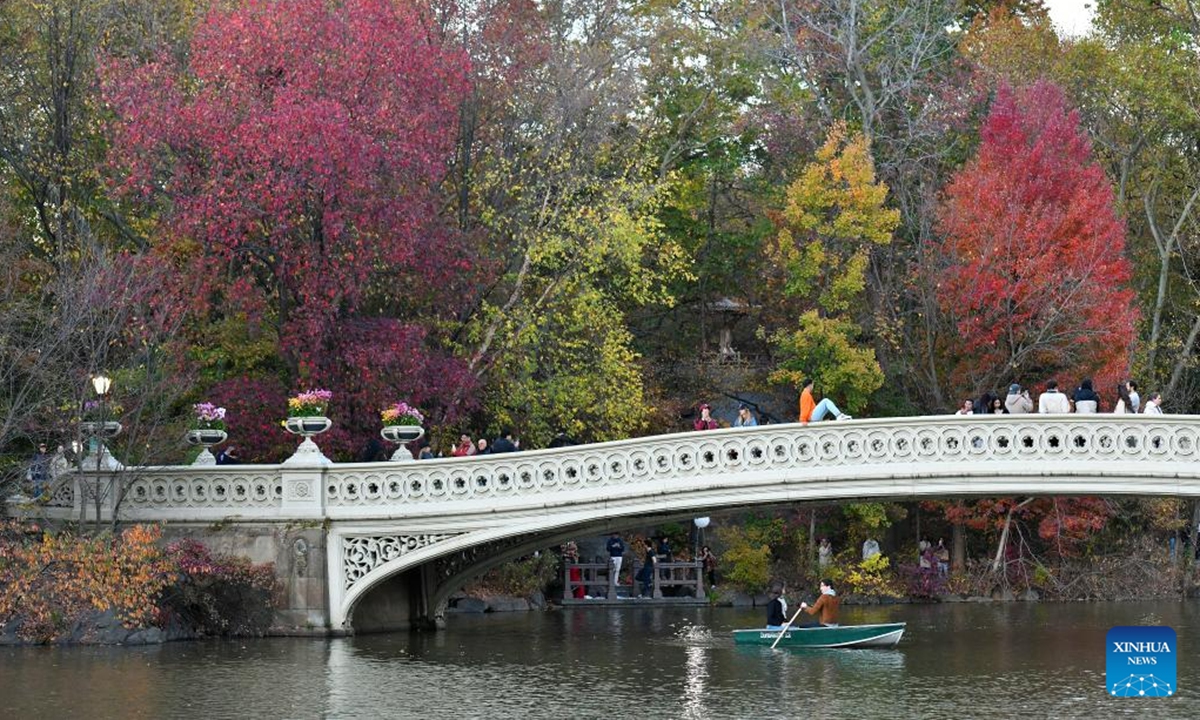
pixel 1084 399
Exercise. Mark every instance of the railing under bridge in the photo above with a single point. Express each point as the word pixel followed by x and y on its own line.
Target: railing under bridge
pixel 894 457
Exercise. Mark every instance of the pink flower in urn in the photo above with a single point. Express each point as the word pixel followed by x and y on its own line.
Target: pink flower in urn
pixel 401 414
pixel 207 416
pixel 310 403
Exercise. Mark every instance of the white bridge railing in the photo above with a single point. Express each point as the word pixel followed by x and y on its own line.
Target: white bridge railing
pixel 866 458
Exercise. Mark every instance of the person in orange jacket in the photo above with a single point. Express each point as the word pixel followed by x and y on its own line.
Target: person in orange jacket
pixel 812 411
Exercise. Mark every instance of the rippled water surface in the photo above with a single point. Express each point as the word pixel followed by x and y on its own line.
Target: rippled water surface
pixel 955 661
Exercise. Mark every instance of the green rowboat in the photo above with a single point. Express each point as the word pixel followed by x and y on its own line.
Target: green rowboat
pixel 884 635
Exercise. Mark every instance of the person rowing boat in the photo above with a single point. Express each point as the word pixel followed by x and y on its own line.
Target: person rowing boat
pixel 826 605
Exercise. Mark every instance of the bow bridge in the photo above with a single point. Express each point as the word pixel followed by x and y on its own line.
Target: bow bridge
pixel 362 547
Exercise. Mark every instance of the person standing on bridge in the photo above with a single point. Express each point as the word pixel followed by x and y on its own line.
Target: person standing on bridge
pixel 813 411
pixel 1135 402
pixel 1085 397
pixel 1052 402
pixel 1154 405
pixel 1018 402
pixel 1124 402
pixel 465 446
pixel 505 443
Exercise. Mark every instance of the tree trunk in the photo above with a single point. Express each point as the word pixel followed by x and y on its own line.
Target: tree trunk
pixel 1194 530
pixel 812 536
pixel 996 562
pixel 958 559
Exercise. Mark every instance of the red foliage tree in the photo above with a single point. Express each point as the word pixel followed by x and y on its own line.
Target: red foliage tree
pixel 1034 275
pixel 294 161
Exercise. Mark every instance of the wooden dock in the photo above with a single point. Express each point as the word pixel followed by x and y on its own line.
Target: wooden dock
pixel 595 585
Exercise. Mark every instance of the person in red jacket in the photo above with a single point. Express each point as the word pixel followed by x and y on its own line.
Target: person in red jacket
pixel 705 421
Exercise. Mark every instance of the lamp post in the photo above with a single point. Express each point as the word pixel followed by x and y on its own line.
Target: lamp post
pixel 101 384
pixel 700 523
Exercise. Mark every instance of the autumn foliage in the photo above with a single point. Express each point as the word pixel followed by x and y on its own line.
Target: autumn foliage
pixel 218 596
pixel 293 162
pixel 50 582
pixel 1034 276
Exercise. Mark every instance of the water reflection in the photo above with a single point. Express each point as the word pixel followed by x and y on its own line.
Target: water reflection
pixel 694 686
pixel 954 661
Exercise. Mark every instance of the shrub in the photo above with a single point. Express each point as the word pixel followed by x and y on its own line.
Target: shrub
pixel 218 596
pixel 872 576
pixel 746 561
pixel 521 578
pixel 48 582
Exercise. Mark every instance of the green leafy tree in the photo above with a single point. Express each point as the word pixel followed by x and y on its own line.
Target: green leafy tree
pixel 745 564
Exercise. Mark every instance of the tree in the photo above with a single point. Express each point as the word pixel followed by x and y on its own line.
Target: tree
pixel 293 158
pixel 1034 273
pixel 835 214
pixel 891 70
pixel 563 202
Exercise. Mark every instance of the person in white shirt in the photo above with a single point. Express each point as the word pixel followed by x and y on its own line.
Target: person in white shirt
pixel 1154 405
pixel 1124 402
pixel 968 407
pixel 1052 401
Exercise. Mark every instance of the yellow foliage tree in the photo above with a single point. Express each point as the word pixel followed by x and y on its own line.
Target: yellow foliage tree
pixel 835 214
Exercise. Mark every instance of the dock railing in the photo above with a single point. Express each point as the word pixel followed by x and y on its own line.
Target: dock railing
pixel 596 579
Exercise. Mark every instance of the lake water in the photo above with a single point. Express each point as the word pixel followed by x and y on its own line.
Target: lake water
pixel 955 661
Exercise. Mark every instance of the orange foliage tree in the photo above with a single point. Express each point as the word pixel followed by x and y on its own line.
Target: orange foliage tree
pixel 51 582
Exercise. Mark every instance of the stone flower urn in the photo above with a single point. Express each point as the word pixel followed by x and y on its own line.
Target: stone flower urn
pixel 308 453
pixel 206 438
pixel 402 435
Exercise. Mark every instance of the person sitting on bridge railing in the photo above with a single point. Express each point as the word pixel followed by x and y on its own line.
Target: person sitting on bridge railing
pixel 812 411
pixel 744 418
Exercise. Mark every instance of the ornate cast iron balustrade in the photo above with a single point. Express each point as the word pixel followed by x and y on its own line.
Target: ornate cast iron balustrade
pixel 974 443
pixel 1166 447
pixel 233 488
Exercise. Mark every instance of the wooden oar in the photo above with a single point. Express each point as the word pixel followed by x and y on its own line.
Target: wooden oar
pixel 785 627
